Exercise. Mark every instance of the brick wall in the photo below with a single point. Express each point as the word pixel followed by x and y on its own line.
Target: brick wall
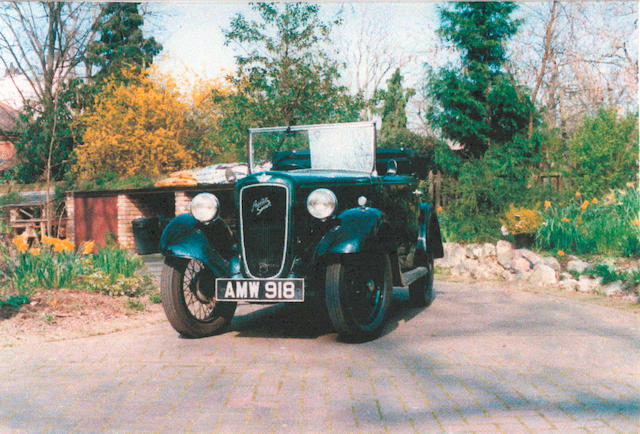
pixel 129 208
pixel 71 221
pixel 182 202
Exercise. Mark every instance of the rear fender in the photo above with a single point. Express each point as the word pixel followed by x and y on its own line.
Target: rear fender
pixel 187 238
pixel 429 244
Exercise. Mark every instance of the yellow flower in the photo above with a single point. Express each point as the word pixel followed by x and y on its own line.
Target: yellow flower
pixel 630 184
pixel 547 204
pixel 560 252
pixel 68 245
pixel 594 201
pixel 20 242
pixel 564 219
pixel 58 247
pixel 584 205
pixel 577 193
pixel 88 247
pixel 34 251
pixel 636 222
pixel 439 209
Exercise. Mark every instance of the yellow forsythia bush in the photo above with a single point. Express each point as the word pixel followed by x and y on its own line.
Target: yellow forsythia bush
pixel 138 128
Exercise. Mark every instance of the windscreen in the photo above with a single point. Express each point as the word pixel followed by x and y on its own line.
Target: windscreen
pixel 348 147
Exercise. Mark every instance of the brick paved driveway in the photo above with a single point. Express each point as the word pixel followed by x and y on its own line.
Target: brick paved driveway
pixel 479 359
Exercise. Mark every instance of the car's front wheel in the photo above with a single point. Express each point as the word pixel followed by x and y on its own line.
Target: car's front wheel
pixel 358 295
pixel 188 299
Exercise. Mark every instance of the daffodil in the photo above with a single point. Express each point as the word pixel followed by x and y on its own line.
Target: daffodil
pixel 594 201
pixel 547 204
pixel 584 205
pixel 88 247
pixel 578 194
pixel 560 252
pixel 564 219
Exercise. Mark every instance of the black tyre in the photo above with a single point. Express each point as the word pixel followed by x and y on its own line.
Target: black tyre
pixel 188 299
pixel 421 292
pixel 358 295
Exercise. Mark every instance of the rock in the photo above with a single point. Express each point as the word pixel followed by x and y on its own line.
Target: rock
pixel 565 276
pixel 488 250
pixel 520 265
pixel 578 266
pixel 504 252
pixel 552 262
pixel 533 258
pixel 468 268
pixel 454 254
pixel 613 289
pixel 474 251
pixel 543 275
pixel 569 284
pixel 634 298
pixel 587 284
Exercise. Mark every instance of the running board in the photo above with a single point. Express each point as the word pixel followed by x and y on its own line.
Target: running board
pixel 408 277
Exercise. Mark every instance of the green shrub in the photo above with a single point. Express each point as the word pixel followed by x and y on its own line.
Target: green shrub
pixel 603 152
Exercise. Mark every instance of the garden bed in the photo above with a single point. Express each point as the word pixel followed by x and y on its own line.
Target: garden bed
pixel 57 314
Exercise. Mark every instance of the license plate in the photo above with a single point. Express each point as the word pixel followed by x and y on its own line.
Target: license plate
pixel 269 290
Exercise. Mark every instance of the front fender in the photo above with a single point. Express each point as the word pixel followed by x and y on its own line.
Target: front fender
pixel 185 237
pixel 429 243
pixel 360 230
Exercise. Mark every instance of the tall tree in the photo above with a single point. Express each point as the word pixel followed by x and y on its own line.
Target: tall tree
pixel 287 71
pixel 121 43
pixel 477 104
pixel 394 101
pixel 44 43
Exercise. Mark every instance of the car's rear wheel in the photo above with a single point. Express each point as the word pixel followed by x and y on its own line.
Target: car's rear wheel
pixel 188 299
pixel 358 294
pixel 421 292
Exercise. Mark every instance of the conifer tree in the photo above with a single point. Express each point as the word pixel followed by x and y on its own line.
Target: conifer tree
pixel 121 43
pixel 477 104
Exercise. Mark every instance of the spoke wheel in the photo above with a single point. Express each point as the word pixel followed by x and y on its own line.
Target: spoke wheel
pixel 421 293
pixel 358 294
pixel 188 299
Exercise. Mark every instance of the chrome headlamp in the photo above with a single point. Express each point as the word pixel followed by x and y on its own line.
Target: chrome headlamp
pixel 204 207
pixel 321 203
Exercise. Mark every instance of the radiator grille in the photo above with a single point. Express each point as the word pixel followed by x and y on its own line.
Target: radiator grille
pixel 264 224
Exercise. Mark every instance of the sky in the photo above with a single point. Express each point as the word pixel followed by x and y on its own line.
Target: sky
pixel 193 40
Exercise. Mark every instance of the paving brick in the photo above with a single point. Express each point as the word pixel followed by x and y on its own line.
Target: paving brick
pixel 472 362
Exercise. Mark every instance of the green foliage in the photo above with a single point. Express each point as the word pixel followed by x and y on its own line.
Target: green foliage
pixel 26 271
pixel 15 301
pixel 155 297
pixel 604 152
pixel 115 261
pixel 121 43
pixel 286 76
pixel 111 181
pixel 117 284
pixel 609 226
pixel 35 124
pixel 476 104
pixel 111 271
pixel 394 105
pixel 134 304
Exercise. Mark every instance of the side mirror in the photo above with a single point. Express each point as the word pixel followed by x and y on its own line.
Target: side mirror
pixel 392 167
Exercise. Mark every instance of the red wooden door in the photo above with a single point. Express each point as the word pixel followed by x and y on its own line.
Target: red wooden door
pixel 95 217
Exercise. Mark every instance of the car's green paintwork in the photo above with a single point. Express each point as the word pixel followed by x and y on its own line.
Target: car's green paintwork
pixel 393 220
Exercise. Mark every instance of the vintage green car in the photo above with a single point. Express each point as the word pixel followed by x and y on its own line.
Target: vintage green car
pixel 330 224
